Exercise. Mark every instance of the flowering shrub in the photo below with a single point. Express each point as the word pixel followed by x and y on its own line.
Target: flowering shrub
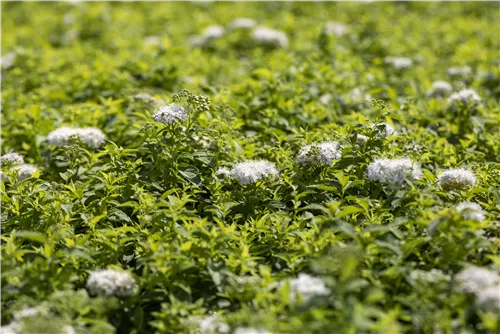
pixel 250 167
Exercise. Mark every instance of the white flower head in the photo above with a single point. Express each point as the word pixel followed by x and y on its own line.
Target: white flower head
pixel 440 88
pixel 209 325
pixel 64 136
pixel 270 37
pixel 471 211
pixel 488 299
pixel 253 171
pixel 306 287
pixel 242 23
pixel 361 139
pixel 213 32
pixel 11 158
pixel 247 330
pixel 323 153
pixel 336 28
pixel 25 171
pixel 325 99
pixel 152 40
pixel 145 97
pixel 3 177
pixel 356 95
pixel 456 179
pixel 399 62
pixel 429 277
pixel 27 312
pixel 170 114
pixel 9 60
pixel 224 172
pixel 459 71
pixel 110 282
pixel 91 137
pixel 393 171
pixel 475 279
pixel 197 41
pixel 12 328
pixel 464 96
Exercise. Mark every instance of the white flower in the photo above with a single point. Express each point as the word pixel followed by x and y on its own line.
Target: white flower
pixel 170 114
pixel 325 99
pixel 3 177
pixel 11 158
pixel 475 279
pixel 323 153
pixel 270 37
pixel 213 32
pixel 440 88
pixel 152 40
pixel 224 172
pixel 145 97
pixel 197 41
pixel 242 23
pixel 464 96
pixel 12 328
pixel 356 95
pixel 63 136
pixel 471 211
pixel 456 179
pixel 247 330
pixel 253 171
pixel 459 71
pixel 361 139
pixel 336 28
pixel 399 62
pixel 68 330
pixel 429 277
pixel 110 282
pixel 209 325
pixel 307 287
pixel 91 137
pixel 488 299
pixel 9 60
pixel 386 131
pixel 24 171
pixel 393 171
pixel 27 312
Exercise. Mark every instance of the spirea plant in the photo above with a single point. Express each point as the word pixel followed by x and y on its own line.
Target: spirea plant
pixel 250 167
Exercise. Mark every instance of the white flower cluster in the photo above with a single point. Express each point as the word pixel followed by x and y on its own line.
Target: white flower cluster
pixel 471 211
pixel 440 88
pixel 15 161
pixel 336 28
pixel 306 287
pixel 356 95
pixel 209 325
pixel 456 179
pixel 92 137
pixel 323 153
pixel 110 282
pixel 146 98
pixel 484 284
pixel 464 96
pixel 459 71
pixel 474 279
pixel 270 37
pixel 393 171
pixel 429 277
pixel 242 23
pixel 223 172
pixel 399 62
pixel 170 114
pixel 9 60
pixel 209 34
pixel 253 171
pixel 11 158
pixel 247 330
pixel 12 328
pixel 489 299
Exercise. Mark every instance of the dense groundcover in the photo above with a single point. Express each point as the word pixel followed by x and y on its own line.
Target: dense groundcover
pixel 313 168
